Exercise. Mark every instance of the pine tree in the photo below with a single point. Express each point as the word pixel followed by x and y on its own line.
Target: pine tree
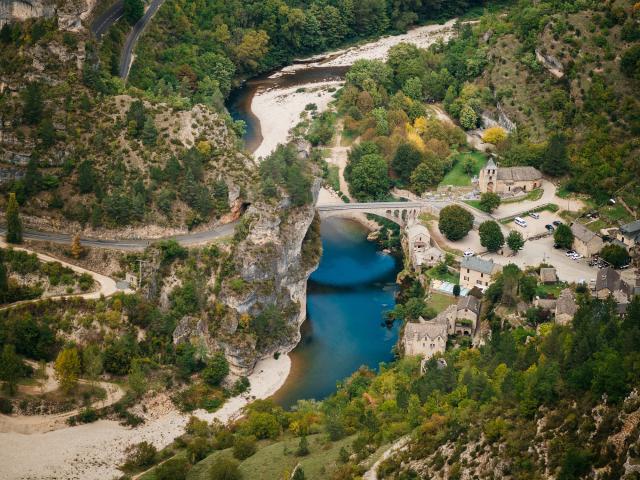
pixel 14 224
pixel 76 247
pixel 556 160
pixel 10 367
pixel 33 104
pixel 4 282
pixel 149 131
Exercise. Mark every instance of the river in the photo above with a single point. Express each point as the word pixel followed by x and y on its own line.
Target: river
pixel 355 282
pixel 347 296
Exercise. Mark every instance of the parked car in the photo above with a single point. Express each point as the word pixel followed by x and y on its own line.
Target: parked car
pixel 520 222
pixel 549 227
pixel 468 253
pixel 569 253
pixel 534 215
pixel 556 223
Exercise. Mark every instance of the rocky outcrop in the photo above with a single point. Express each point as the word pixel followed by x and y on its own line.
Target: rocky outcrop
pixel 272 261
pixel 70 13
pixel 18 10
pixel 551 63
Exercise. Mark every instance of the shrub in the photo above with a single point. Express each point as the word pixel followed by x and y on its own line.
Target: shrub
pixel 244 447
pixel 142 455
pixel 198 449
pixel 173 469
pixel 225 469
pixel 489 202
pixel 216 370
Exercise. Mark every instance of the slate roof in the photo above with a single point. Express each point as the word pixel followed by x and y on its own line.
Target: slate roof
pixel 631 229
pixel 548 275
pixel 490 165
pixel 566 303
pixel 425 329
pixel 519 174
pixel 469 302
pixel 582 233
pixel 477 264
pixel 607 278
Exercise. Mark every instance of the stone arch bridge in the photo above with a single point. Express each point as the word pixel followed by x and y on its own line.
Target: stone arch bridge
pixel 401 213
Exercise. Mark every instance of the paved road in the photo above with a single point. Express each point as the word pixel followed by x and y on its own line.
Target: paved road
pixel 110 16
pixel 126 57
pixel 189 239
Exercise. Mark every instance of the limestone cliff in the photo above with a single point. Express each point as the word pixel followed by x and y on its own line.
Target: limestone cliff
pixel 274 261
pixel 70 13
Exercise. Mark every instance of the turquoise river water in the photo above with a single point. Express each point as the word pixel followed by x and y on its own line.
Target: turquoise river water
pixel 347 296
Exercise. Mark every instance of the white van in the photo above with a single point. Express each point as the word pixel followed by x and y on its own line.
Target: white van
pixel 520 222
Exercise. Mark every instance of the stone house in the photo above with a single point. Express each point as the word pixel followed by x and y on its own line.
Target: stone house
pixel 467 312
pixel 608 281
pixel 428 337
pixel 548 275
pixel 566 307
pixel 629 234
pixel 421 250
pixel 508 179
pixel 425 338
pixel 585 242
pixel 477 272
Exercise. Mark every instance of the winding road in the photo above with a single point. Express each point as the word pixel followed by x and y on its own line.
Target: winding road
pixel 126 57
pixel 110 16
pixel 114 13
pixel 136 244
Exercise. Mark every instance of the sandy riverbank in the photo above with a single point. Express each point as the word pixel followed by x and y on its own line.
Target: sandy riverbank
pixel 279 110
pixel 93 451
pixel 422 37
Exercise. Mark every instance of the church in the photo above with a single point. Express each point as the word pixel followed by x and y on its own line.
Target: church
pixel 508 179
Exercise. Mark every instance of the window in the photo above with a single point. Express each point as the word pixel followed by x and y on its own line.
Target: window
pixel 482 275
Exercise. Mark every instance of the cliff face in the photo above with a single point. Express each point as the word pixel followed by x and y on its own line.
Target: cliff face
pixel 274 261
pixel 70 13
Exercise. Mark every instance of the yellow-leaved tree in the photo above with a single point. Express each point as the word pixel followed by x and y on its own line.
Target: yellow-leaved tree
pixel 67 369
pixel 494 135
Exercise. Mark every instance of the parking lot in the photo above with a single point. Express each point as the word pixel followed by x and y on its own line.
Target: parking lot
pixel 540 251
pixel 535 226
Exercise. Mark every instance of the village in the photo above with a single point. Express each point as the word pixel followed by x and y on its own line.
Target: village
pixel 456 274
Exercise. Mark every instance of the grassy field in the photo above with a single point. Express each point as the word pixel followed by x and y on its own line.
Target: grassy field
pixel 433 273
pixel 457 176
pixel 543 291
pixel 473 203
pixel 439 301
pixel 273 461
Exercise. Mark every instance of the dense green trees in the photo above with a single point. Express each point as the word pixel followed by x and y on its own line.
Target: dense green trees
pixel 455 222
pixel 555 160
pixel 133 10
pixel 616 255
pixel 491 236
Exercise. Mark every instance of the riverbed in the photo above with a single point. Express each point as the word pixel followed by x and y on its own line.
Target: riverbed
pixel 347 297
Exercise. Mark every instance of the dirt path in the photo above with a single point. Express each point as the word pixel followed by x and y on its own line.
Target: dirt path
pixel 107 288
pixel 30 424
pixel 399 445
